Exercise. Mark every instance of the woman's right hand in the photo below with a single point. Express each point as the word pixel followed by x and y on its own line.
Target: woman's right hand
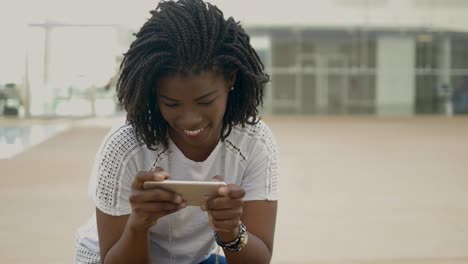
pixel 150 205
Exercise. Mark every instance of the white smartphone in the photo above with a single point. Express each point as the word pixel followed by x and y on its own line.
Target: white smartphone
pixel 193 192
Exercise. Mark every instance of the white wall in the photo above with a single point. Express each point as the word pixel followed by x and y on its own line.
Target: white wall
pixel 444 14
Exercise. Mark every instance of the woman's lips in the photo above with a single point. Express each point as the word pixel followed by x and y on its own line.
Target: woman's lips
pixel 193 133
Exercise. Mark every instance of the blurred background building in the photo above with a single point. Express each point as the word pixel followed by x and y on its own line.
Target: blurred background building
pixel 325 57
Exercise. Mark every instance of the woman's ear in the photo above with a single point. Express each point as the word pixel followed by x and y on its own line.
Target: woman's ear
pixel 232 78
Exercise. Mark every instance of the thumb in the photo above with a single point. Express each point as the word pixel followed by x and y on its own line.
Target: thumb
pixel 223 190
pixel 160 174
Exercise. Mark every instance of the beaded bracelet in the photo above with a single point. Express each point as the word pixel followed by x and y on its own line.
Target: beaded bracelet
pixel 237 244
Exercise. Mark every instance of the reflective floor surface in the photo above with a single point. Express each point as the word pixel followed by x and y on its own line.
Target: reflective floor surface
pixel 16 139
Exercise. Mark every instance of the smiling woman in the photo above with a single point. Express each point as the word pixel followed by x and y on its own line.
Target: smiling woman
pixel 190 84
pixel 194 106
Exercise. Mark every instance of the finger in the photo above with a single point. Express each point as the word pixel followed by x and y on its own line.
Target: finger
pixel 152 217
pixel 210 220
pixel 140 178
pixel 155 195
pixel 227 214
pixel 226 225
pixel 144 176
pixel 161 175
pixel 160 207
pixel 203 204
pixel 232 190
pixel 221 203
pixel 214 227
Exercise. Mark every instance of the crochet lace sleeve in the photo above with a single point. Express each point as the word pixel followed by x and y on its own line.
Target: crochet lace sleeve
pixel 114 171
pixel 261 176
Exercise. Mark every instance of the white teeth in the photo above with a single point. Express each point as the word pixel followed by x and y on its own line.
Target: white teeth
pixel 193 132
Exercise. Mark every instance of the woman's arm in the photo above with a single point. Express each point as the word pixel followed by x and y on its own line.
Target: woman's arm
pixel 225 212
pixel 260 218
pixel 118 242
pixel 125 239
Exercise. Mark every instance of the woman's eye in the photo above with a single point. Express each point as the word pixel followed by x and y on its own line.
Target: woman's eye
pixel 206 103
pixel 171 105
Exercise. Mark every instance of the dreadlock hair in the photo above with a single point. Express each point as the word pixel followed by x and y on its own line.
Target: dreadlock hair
pixel 182 37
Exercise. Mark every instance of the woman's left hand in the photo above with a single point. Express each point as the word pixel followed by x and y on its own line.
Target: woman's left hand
pixel 225 211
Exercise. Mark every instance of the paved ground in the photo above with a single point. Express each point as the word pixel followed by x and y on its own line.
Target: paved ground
pixel 353 190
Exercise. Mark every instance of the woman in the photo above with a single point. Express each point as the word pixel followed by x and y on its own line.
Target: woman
pixel 190 84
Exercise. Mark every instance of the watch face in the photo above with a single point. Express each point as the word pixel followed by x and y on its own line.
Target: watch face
pixel 244 239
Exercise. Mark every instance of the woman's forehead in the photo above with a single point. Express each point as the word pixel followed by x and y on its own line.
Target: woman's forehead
pixel 180 82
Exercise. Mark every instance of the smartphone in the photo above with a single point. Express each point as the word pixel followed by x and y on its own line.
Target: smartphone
pixel 193 192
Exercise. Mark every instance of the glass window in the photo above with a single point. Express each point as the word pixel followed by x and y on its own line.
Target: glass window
pixel 426 51
pixel 460 52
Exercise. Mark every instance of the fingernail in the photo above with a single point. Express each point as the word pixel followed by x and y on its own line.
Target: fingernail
pixel 223 190
pixel 183 205
pixel 178 200
pixel 203 207
pixel 158 176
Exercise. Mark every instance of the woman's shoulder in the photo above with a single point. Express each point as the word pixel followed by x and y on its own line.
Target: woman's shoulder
pixel 120 141
pixel 249 137
pixel 253 132
pixel 122 135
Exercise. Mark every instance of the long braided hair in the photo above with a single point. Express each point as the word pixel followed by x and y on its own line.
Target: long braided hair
pixel 182 37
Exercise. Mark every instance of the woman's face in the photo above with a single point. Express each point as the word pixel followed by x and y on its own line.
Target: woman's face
pixel 193 105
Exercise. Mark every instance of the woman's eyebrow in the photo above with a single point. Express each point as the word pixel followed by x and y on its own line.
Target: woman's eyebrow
pixel 197 99
pixel 206 95
pixel 168 98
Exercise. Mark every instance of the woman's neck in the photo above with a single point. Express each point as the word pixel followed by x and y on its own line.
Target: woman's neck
pixel 195 153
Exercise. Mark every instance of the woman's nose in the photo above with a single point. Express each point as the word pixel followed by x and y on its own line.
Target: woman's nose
pixel 190 119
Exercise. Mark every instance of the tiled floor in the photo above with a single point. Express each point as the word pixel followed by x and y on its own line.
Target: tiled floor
pixel 353 190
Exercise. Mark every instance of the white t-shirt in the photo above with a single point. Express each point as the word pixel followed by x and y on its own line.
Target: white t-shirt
pixel 247 157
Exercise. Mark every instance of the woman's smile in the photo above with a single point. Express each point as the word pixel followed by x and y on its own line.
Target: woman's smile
pixel 194 133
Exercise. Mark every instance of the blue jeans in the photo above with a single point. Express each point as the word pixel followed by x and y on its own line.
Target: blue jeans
pixel 212 260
